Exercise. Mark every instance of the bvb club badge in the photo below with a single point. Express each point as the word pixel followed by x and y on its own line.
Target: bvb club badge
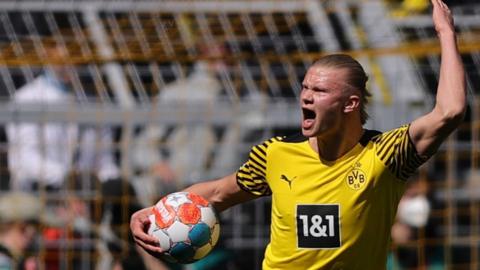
pixel 356 178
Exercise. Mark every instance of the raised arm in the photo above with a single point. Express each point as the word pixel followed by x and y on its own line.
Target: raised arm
pixel 430 130
pixel 222 194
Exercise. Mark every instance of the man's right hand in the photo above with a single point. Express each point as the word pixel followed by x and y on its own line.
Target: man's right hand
pixel 442 17
pixel 139 224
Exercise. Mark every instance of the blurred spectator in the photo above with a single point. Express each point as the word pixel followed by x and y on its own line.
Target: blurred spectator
pixel 165 153
pixel 62 157
pixel 19 218
pixel 92 209
pixel 162 152
pixel 412 230
pixel 44 153
pixel 117 202
pixel 177 163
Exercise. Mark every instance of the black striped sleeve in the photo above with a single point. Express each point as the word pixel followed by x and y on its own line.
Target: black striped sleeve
pixel 251 176
pixel 396 150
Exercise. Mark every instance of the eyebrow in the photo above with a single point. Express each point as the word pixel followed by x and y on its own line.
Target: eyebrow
pixel 310 87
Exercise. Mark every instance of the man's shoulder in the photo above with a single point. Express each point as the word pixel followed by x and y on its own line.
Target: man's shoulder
pixel 282 140
pixel 369 135
pixel 376 136
pixel 279 144
pixel 265 146
pixel 294 138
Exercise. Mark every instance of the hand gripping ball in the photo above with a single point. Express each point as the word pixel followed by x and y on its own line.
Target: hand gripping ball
pixel 186 226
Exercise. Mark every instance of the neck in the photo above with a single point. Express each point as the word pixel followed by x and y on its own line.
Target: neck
pixel 334 145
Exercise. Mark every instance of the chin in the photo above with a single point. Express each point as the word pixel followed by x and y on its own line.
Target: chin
pixel 308 133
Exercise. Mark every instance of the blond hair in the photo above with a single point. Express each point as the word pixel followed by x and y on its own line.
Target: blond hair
pixel 357 78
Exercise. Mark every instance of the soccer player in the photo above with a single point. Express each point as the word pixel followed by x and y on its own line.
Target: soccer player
pixel 335 189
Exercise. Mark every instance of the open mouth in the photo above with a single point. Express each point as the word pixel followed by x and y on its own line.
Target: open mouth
pixel 308 114
pixel 308 118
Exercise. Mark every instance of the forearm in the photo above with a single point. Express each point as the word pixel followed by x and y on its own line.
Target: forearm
pixel 222 193
pixel 451 92
pixel 207 190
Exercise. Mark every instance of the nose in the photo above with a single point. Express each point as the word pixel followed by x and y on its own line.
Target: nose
pixel 306 96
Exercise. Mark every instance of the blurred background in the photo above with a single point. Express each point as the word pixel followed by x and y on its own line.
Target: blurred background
pixel 108 105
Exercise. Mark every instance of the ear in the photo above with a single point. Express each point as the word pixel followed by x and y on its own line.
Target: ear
pixel 352 103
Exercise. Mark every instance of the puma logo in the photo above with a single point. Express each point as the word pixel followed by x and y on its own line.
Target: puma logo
pixel 285 178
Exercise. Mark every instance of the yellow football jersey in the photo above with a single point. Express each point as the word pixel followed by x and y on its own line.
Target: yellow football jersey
pixel 331 215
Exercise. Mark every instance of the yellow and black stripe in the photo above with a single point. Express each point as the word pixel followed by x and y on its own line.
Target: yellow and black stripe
pixel 251 177
pixel 396 150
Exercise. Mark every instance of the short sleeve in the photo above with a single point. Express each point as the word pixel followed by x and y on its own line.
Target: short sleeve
pixel 397 151
pixel 251 177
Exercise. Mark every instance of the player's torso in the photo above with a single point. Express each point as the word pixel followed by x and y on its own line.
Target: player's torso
pixel 323 213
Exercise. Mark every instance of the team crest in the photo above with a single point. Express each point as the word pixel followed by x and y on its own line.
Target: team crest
pixel 356 179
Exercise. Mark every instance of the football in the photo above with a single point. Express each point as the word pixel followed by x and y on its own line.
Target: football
pixel 186 226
